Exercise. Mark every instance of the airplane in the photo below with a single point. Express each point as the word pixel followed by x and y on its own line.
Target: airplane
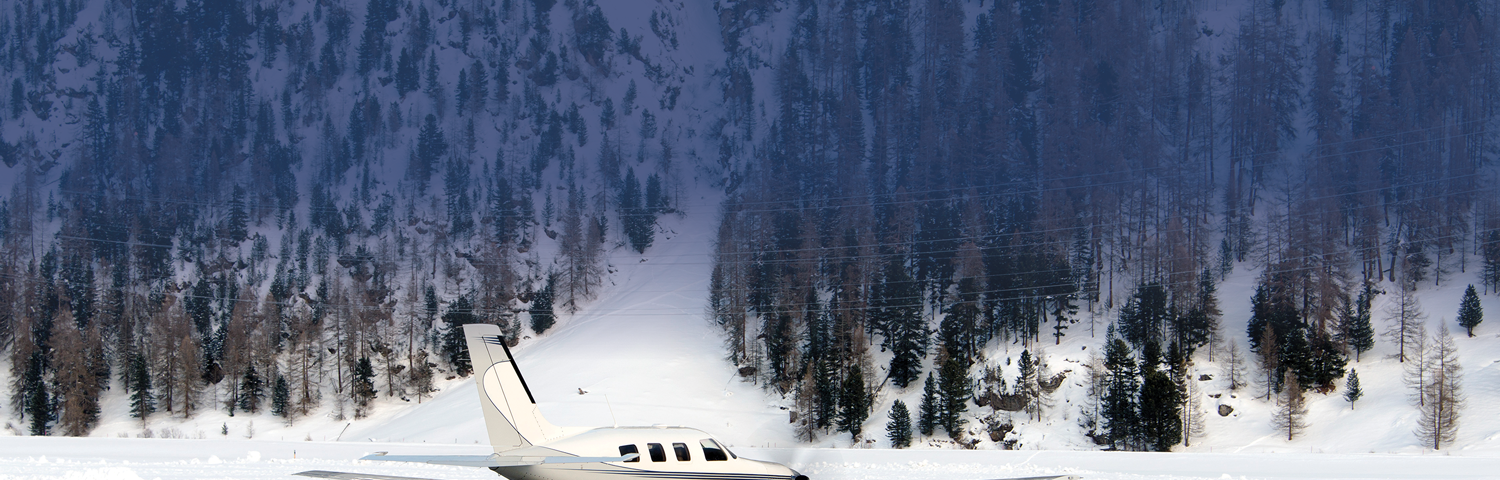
pixel 528 447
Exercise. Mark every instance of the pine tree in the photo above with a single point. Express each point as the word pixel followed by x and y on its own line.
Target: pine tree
pixel 252 390
pixel 280 398
pixel 898 316
pixel 898 430
pixel 638 223
pixel 142 397
pixel 1352 392
pixel 542 315
pixel 1160 411
pixel 363 389
pixel 1026 381
pixel 1355 329
pixel 954 390
pixel 628 104
pixel 930 409
pixel 431 146
pixel 854 402
pixel 407 77
pixel 1120 417
pixel 38 403
pixel 454 347
pixel 1469 311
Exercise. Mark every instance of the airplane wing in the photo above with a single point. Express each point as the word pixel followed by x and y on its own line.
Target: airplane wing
pixel 495 460
pixel 1049 477
pixel 353 476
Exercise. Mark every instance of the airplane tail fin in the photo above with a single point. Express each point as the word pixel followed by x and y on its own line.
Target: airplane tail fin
pixel 510 412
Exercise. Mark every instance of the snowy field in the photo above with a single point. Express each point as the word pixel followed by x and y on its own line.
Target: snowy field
pixel 170 459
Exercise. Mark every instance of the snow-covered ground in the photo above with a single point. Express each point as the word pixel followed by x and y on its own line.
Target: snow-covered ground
pixel 172 459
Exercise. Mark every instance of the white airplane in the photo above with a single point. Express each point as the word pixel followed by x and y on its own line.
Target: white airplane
pixel 528 447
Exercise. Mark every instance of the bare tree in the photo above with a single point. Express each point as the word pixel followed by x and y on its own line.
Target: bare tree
pixel 1443 391
pixel 1405 314
pixel 1291 414
pixel 1234 372
pixel 1192 413
pixel 1416 372
pixel 1270 360
pixel 77 385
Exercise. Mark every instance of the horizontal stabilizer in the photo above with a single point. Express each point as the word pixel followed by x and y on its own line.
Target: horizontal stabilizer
pixel 494 460
pixel 1048 477
pixel 353 476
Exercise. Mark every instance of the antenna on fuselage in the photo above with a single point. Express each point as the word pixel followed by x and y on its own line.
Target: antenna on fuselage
pixel 611 410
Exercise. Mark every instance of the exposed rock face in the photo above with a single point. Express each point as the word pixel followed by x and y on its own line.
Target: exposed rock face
pixel 1225 410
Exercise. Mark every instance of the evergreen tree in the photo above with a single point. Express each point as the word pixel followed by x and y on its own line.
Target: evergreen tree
pixel 607 114
pixel 898 316
pixel 1490 251
pixel 431 146
pixel 1352 392
pixel 1324 363
pixel 542 315
pixel 1469 311
pixel 1026 384
pixel 954 390
pixel 929 411
pixel 1120 417
pixel 655 202
pixel 363 389
pixel 638 223
pixel 38 403
pixel 142 397
pixel 280 397
pixel 1145 315
pixel 1354 322
pixel 854 402
pixel 898 429
pixel 252 390
pixel 1160 411
pixel 408 79
pixel 454 347
pixel 626 106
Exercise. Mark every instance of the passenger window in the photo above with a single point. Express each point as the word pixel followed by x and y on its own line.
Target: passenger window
pixel 682 452
pixel 629 449
pixel 658 454
pixel 711 450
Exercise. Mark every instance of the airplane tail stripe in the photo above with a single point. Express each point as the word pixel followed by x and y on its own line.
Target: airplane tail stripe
pixel 517 369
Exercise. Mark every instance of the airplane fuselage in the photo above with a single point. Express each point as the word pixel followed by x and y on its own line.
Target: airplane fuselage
pixel 664 453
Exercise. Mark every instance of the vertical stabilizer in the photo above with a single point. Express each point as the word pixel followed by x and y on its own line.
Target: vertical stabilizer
pixel 510 412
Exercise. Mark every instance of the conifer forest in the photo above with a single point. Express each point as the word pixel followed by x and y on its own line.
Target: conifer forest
pixel 289 207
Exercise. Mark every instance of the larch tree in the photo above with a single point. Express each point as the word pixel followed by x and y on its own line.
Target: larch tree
pixel 1291 411
pixel 1438 424
pixel 1406 316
